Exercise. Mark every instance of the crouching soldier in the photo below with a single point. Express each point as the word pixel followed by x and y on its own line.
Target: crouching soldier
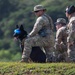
pixel 41 35
pixel 61 40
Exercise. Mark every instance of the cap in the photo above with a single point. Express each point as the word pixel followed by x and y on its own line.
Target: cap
pixel 60 20
pixel 39 7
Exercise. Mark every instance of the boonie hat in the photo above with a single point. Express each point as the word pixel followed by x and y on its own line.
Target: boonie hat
pixel 60 20
pixel 39 7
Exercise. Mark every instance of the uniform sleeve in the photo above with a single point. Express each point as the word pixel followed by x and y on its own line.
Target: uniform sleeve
pixel 37 26
pixel 71 36
pixel 58 40
pixel 58 36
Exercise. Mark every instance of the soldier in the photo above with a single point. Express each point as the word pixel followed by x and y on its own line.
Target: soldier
pixel 70 14
pixel 41 34
pixel 61 39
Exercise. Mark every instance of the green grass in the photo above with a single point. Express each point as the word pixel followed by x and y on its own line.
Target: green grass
pixel 17 68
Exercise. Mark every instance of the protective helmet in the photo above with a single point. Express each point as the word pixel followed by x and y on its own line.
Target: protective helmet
pixel 70 9
pixel 17 31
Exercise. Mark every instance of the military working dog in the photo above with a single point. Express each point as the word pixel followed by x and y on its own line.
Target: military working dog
pixel 37 55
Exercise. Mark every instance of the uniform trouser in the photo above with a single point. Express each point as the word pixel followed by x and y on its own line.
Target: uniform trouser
pixel 71 53
pixel 46 42
pixel 50 54
pixel 61 57
pixel 61 52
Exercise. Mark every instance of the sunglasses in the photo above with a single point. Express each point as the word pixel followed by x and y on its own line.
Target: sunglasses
pixel 36 11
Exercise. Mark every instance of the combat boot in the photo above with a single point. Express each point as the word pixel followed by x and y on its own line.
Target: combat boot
pixel 49 58
pixel 24 60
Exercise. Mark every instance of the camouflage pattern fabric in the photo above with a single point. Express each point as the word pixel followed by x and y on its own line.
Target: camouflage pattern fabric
pixel 36 40
pixel 61 43
pixel 71 39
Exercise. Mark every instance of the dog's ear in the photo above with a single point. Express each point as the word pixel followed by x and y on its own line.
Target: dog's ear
pixel 21 27
pixel 17 26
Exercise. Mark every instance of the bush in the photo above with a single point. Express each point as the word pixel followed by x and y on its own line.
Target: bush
pixel 17 68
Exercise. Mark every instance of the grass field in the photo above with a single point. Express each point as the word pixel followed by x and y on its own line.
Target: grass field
pixel 17 68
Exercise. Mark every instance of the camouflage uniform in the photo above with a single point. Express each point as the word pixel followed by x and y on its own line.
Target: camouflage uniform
pixel 36 40
pixel 70 14
pixel 61 40
pixel 71 39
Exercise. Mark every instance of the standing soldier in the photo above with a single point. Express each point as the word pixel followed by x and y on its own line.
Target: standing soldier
pixel 41 35
pixel 70 14
pixel 61 39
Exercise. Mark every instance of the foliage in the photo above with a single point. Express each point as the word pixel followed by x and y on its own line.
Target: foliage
pixel 6 55
pixel 17 68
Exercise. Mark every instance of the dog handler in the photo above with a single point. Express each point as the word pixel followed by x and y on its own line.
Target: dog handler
pixel 41 35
